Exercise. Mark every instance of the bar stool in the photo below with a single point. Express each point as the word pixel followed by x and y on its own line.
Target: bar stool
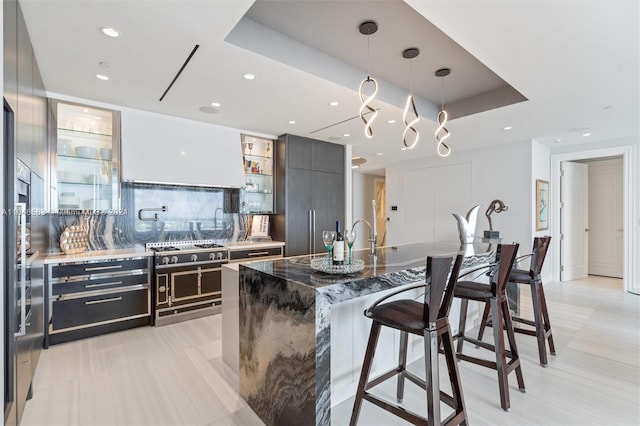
pixel 539 303
pixel 495 298
pixel 428 318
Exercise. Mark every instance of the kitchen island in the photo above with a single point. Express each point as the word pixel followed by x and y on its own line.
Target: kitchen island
pixel 285 324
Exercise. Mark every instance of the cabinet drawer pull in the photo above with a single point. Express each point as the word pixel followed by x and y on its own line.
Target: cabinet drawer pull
pixel 103 284
pixel 101 268
pixel 95 302
pixel 258 253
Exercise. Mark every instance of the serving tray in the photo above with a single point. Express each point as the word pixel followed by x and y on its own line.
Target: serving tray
pixel 321 264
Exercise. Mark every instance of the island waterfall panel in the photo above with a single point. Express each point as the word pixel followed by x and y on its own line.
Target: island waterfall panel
pixel 278 349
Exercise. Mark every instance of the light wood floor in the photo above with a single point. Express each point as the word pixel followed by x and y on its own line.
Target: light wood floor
pixel 173 375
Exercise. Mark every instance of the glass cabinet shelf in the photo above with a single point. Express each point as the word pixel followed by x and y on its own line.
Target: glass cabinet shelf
pixel 257 193
pixel 86 171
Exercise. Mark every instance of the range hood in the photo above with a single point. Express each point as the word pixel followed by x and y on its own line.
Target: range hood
pixel 169 150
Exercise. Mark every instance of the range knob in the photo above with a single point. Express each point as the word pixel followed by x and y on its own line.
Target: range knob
pixel 194 257
pixel 174 259
pixel 212 256
pixel 220 255
pixel 165 260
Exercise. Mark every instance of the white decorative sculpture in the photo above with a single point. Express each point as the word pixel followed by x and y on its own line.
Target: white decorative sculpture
pixel 467 225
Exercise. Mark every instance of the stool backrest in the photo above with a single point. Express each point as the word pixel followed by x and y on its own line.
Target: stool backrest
pixel 445 306
pixel 538 253
pixel 436 283
pixel 505 256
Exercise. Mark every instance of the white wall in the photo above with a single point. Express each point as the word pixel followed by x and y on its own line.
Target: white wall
pixel 428 191
pixel 540 169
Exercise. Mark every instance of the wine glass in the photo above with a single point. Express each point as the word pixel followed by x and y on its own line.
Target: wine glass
pixel 328 237
pixel 350 238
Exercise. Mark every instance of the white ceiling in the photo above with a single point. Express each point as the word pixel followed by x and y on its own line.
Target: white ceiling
pixel 576 63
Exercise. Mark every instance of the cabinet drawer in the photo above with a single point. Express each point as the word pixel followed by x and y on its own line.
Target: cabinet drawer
pixel 255 253
pixel 105 283
pixel 105 267
pixel 95 309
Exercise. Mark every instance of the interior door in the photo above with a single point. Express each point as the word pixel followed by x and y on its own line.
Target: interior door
pixel 574 221
pixel 605 218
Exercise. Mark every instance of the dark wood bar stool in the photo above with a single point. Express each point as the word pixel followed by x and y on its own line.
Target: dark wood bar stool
pixel 428 318
pixel 495 298
pixel 541 324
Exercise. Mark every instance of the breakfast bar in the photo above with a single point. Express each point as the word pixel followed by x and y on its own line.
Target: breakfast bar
pixel 285 332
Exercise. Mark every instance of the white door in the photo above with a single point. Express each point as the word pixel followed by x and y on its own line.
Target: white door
pixel 605 218
pixel 574 231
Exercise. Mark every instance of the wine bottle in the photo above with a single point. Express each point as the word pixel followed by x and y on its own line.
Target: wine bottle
pixel 338 247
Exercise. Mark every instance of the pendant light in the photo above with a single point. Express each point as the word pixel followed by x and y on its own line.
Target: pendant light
pixel 367 28
pixel 410 53
pixel 441 134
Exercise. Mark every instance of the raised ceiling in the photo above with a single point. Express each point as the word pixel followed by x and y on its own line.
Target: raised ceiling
pixel 577 63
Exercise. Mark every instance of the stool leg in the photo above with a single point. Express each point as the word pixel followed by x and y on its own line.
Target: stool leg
pixel 483 323
pixel 462 323
pixel 511 335
pixel 432 377
pixel 366 369
pixel 538 321
pixel 498 341
pixel 454 374
pixel 402 364
pixel 547 324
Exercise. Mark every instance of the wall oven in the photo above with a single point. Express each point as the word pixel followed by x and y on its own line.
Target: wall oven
pixel 187 279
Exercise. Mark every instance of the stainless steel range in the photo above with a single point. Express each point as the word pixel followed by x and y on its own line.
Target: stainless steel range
pixel 187 280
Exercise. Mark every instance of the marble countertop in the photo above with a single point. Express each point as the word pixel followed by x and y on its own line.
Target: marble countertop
pixel 400 264
pixel 97 255
pixel 244 245
pixel 140 251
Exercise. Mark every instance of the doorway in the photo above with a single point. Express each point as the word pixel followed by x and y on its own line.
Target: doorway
pixel 628 234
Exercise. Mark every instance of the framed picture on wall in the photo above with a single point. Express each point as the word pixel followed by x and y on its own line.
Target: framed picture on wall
pixel 542 205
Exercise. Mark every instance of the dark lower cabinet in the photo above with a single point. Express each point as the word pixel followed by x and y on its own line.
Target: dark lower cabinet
pixel 88 298
pixel 309 192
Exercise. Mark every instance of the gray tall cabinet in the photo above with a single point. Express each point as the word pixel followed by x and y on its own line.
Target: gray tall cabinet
pixel 309 192
pixel 25 138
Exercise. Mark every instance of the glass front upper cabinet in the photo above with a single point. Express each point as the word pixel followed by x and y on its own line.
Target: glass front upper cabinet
pixel 86 170
pixel 257 193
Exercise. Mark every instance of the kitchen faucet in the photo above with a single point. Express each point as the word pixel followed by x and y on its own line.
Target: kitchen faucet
pixel 372 236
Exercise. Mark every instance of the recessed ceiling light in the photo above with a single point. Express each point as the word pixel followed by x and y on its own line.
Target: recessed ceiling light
pixel 346 135
pixel 183 153
pixel 403 149
pixel 391 121
pixel 355 167
pixel 215 104
pixel 586 134
pixel 208 110
pixel 105 65
pixel 249 76
pixel 379 153
pixel 110 32
pixel 292 122
pixel 333 103
pixel 508 128
pixel 102 77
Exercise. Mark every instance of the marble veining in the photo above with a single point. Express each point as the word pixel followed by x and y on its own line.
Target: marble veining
pixel 285 324
pixel 193 213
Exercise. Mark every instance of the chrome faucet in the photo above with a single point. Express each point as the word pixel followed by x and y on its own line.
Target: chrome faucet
pixel 215 218
pixel 372 236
